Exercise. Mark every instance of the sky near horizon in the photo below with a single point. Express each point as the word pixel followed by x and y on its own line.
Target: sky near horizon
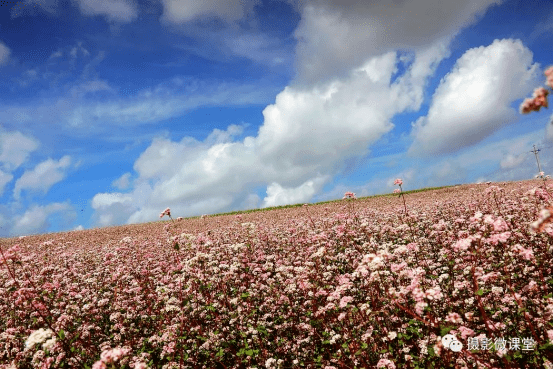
pixel 112 111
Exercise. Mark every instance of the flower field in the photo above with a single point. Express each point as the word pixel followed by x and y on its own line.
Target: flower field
pixel 356 283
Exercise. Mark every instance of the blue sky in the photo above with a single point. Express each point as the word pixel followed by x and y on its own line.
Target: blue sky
pixel 111 111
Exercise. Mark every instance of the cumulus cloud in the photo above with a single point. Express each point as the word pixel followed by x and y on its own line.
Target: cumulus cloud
pixel 15 149
pixel 473 100
pixel 122 182
pixel 336 36
pixel 179 11
pixel 37 218
pixel 43 176
pixel 277 195
pixel 307 136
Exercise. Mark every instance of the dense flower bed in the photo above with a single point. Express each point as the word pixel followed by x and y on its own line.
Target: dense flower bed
pixel 361 283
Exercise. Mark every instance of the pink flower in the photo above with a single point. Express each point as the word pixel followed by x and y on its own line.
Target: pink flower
pixel 465 332
pixel 527 254
pixel 454 318
pixel 345 300
pixel 462 244
pixel 397 191
pixel 397 181
pixel 166 212
pixel 545 219
pixel 113 355
pixel 386 363
pixel 397 267
pixel 434 293
pixel 499 237
pixel 534 104
pixel 99 365
pixel 349 195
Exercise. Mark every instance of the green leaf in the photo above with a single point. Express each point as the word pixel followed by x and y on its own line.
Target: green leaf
pixel 480 292
pixel 547 296
pixel 431 351
pixel 61 334
pixel 445 330
pixel 545 346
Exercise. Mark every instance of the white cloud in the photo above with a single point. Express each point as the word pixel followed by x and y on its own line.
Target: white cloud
pixel 56 54
pixel 179 11
pixel 104 200
pixel 507 159
pixel 336 36
pixel 4 53
pixel 511 161
pixel 79 48
pixel 252 201
pixel 15 149
pixel 36 219
pixel 151 105
pixel 277 195
pixel 122 182
pixel 5 178
pixel 43 176
pixel 473 100
pixel 541 28
pixel 114 10
pixel 548 133
pixel 307 136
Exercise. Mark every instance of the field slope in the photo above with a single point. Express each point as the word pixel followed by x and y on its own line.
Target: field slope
pixel 355 283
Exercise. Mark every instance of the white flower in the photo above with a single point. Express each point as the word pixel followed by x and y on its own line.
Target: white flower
pixel 49 344
pixel 497 290
pixel 392 335
pixel 270 362
pixel 38 337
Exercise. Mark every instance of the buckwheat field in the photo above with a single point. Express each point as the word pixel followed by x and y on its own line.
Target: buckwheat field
pixel 354 283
